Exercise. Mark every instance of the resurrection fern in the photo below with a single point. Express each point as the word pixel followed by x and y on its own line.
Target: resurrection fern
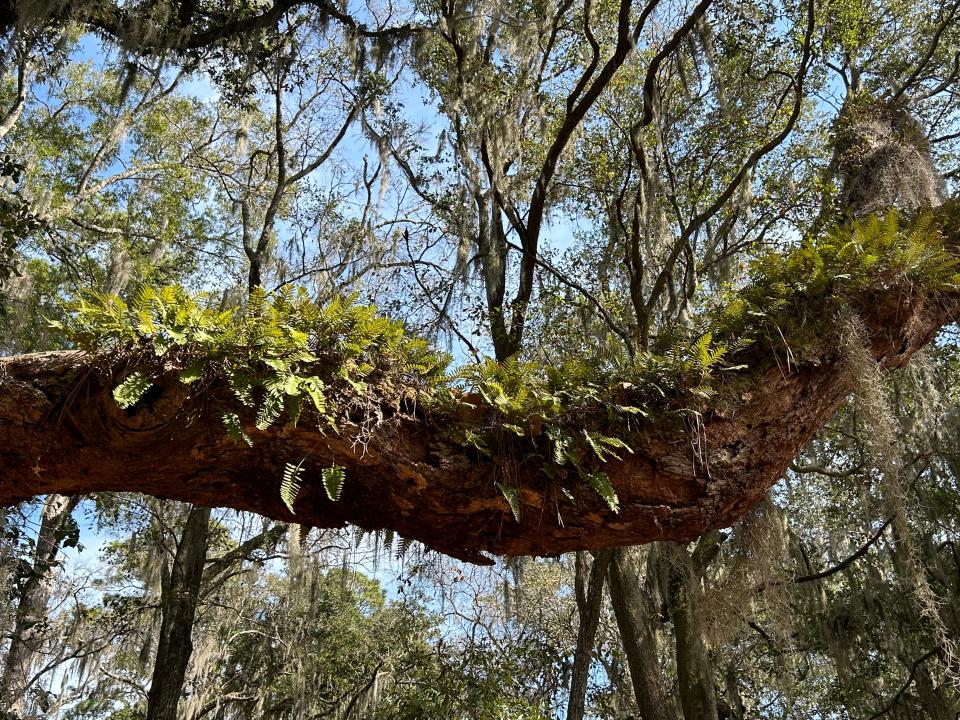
pixel 583 411
pixel 132 389
pixel 512 496
pixel 605 446
pixel 333 478
pixel 796 296
pixel 273 403
pixel 604 488
pixel 276 350
pixel 290 485
pixel 231 421
pixel 274 353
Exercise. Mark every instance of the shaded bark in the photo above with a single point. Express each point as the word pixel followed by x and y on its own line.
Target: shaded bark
pixel 589 605
pixel 178 606
pixel 732 707
pixel 31 614
pixel 635 616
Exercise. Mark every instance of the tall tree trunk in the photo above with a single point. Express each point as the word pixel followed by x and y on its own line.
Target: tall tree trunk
pixel 178 608
pixel 589 604
pixel 29 620
pixel 735 709
pixel 634 615
pixel 698 697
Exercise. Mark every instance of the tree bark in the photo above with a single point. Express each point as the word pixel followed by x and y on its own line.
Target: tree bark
pixel 63 433
pixel 31 614
pixel 178 608
pixel 589 604
pixel 634 620
pixel 698 697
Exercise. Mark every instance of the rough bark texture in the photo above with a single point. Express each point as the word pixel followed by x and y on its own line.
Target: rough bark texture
pixel 635 618
pixel 698 697
pixel 62 432
pixel 589 594
pixel 178 607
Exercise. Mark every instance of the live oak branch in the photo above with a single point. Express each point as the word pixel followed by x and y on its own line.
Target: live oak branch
pixel 503 458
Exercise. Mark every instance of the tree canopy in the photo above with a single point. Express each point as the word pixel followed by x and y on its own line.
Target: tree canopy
pixel 660 242
pixel 668 283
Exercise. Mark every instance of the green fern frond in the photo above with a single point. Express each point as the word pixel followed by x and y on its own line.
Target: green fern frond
pixel 601 484
pixel 290 485
pixel 333 479
pixel 132 389
pixel 242 385
pixel 271 408
pixel 192 373
pixel 512 496
pixel 231 422
pixel 604 445
pixel 403 547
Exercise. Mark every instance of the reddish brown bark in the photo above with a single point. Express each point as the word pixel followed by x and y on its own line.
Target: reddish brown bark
pixel 61 432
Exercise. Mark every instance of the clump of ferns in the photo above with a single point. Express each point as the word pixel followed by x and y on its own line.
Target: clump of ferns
pixel 574 417
pixel 280 356
pixel 796 296
pixel 274 353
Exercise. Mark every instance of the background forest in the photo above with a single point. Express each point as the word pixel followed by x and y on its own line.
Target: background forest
pixel 526 185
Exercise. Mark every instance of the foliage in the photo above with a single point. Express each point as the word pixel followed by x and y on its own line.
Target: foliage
pixel 273 353
pixel 290 485
pixel 17 218
pixel 281 350
pixel 333 479
pixel 795 297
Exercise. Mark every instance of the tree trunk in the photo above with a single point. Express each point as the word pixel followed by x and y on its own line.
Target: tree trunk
pixel 589 604
pixel 63 433
pixel 178 607
pixel 634 616
pixel 31 614
pixel 698 697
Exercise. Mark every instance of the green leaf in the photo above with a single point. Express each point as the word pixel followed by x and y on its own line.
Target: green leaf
pixel 601 484
pixel 294 407
pixel 512 496
pixel 314 387
pixel 271 408
pixel 631 410
pixel 132 389
pixel 231 421
pixel 290 485
pixel 192 373
pixel 403 547
pixel 279 364
pixel 333 479
pixel 601 444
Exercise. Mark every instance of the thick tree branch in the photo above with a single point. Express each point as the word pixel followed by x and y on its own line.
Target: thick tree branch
pixel 63 433
pixel 192 30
